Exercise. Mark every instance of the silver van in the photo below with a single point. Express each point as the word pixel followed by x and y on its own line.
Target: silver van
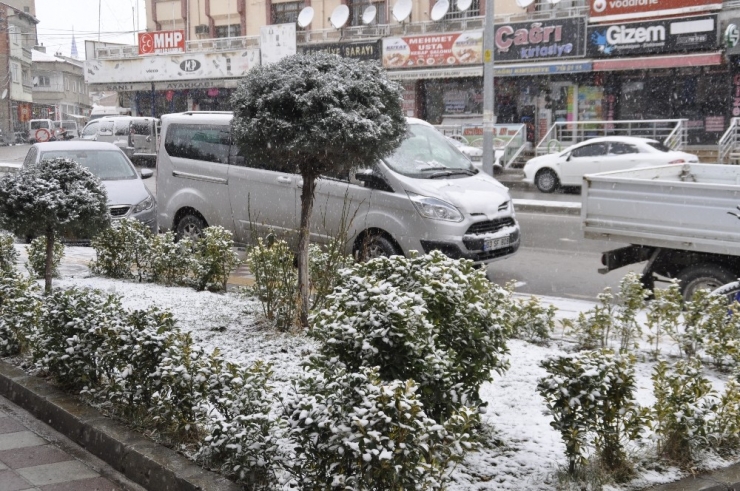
pixel 136 136
pixel 425 196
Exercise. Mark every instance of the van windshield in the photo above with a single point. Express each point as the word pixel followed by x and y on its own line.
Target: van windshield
pixel 427 154
pixel 108 165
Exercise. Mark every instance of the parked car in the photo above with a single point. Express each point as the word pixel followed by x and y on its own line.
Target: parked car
pixel 136 136
pixel 610 153
pixel 116 130
pixel 425 196
pixel 41 130
pixel 90 130
pixel 128 197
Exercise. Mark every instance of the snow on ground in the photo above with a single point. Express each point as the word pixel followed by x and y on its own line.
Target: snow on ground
pixel 524 451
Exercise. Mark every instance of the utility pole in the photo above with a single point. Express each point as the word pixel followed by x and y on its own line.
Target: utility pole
pixel 489 119
pixel 99 2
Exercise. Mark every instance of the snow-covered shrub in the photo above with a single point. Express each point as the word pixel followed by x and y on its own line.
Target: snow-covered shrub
pixel 74 324
pixel 591 399
pixel 532 321
pixel 436 320
pixel 20 304
pixel 171 262
pixel 129 359
pixel 122 250
pixel 664 314
pixel 703 315
pixel 358 431
pixel 632 296
pixel 36 264
pixel 243 437
pixel 325 265
pixel 275 280
pixel 214 259
pixel 8 254
pixel 592 329
pixel 725 427
pixel 685 404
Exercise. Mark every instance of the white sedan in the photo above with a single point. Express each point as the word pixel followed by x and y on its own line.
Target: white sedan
pixel 609 153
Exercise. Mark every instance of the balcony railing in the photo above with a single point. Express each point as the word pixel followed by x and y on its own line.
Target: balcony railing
pixel 351 33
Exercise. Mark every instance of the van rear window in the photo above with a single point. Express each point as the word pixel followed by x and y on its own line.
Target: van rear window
pixel 198 142
pixel 140 129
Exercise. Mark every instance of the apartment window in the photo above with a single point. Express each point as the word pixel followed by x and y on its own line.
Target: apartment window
pixel 472 11
pixel 232 31
pixel 14 72
pixel 357 7
pixel 66 83
pixel 15 34
pixel 26 74
pixel 42 81
pixel 284 13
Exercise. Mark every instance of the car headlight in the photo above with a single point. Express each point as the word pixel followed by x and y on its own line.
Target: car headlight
pixel 147 204
pixel 434 208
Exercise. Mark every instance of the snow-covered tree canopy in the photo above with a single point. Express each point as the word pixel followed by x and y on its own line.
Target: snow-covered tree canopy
pixel 317 112
pixel 57 196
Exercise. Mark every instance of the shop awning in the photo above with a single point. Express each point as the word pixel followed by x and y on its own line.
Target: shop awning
pixel 499 70
pixel 694 59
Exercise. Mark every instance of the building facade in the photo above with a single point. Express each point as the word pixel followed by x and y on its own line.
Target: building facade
pixel 59 89
pixel 573 60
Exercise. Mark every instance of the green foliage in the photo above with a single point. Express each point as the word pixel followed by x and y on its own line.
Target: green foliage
pixel 8 254
pixel 704 315
pixel 20 308
pixel 123 250
pixel 664 314
pixel 725 426
pixel 171 262
pixel 592 329
pixel 243 441
pixel 271 263
pixel 532 321
pixel 324 267
pixel 74 324
pixel 684 406
pixel 358 431
pixel 591 399
pixel 632 295
pixel 214 259
pixel 433 319
pixel 36 264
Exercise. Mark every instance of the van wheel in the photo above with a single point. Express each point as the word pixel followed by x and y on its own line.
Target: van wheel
pixel 546 181
pixel 374 245
pixel 190 227
pixel 702 277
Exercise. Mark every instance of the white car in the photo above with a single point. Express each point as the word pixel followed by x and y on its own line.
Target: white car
pixel 609 153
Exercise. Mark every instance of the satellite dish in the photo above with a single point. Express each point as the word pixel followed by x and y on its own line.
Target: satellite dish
pixel 402 10
pixel 339 16
pixel 440 9
pixel 524 3
pixel 305 17
pixel 5 94
pixel 368 16
pixel 463 5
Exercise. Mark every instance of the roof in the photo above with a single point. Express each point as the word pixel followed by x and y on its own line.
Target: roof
pixel 40 57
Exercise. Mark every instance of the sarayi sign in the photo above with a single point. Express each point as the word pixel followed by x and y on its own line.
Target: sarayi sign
pixel 156 68
pixel 620 10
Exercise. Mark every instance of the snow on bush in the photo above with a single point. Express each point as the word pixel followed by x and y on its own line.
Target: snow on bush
pixel 214 259
pixel 20 304
pixel 275 280
pixel 358 431
pixel 532 321
pixel 8 254
pixel 436 320
pixel 36 264
pixel 122 251
pixel 591 399
pixel 171 262
pixel 324 267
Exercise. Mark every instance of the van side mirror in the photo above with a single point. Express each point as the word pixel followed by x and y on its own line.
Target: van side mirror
pixel 146 173
pixel 373 181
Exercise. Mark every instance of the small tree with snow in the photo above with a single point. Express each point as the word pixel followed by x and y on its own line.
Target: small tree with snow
pixel 53 198
pixel 316 113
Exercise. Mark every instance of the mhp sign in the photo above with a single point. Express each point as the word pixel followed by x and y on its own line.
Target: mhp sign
pixel 159 42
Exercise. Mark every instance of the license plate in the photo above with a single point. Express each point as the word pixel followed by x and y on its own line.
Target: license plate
pixel 491 244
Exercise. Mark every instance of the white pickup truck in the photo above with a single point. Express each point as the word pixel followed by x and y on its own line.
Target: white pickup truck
pixel 684 220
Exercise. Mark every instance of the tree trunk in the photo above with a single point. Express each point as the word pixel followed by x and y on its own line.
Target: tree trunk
pixel 49 260
pixel 304 239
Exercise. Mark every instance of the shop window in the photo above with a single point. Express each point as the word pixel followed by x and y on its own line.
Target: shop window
pixel 287 12
pixel 198 142
pixel 357 7
pixel 454 13
pixel 232 31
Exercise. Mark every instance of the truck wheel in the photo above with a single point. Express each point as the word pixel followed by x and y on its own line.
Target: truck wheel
pixel 546 181
pixel 375 245
pixel 190 227
pixel 702 277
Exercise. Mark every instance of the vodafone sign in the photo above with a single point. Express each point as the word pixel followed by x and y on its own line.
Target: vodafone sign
pixel 619 10
pixel 155 43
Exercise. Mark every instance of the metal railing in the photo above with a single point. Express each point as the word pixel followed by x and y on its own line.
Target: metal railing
pixel 728 147
pixel 511 139
pixel 671 132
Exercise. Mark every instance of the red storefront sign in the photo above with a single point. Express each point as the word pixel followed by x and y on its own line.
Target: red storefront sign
pixel 611 10
pixel 433 50
pixel 158 42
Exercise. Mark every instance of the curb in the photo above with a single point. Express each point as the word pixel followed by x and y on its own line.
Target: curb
pixel 725 479
pixel 549 207
pixel 144 462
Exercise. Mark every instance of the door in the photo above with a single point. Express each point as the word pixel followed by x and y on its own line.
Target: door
pixel 143 137
pixel 586 159
pixel 620 156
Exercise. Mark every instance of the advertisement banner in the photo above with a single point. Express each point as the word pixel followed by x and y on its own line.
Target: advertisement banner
pixel 619 10
pixel 658 36
pixel 276 42
pixel 433 50
pixel 172 68
pixel 542 40
pixel 159 42
pixel 360 51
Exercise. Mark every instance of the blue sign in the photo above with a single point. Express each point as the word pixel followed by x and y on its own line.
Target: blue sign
pixel 539 69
